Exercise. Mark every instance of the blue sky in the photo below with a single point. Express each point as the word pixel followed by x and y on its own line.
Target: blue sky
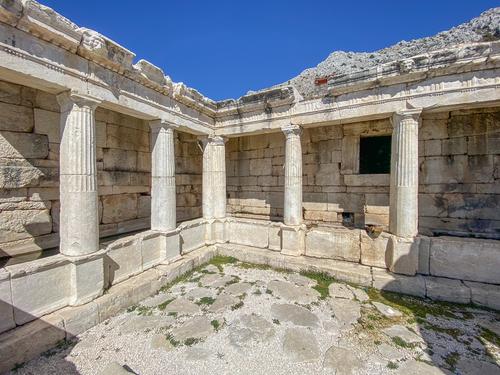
pixel 225 48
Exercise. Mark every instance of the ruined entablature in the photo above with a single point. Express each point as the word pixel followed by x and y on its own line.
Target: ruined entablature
pixel 66 56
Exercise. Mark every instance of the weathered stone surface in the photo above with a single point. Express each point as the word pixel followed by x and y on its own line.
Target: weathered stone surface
pixel 359 294
pixel 6 308
pixel 15 145
pixel 344 361
pixel 119 207
pixel 195 328
pixel 291 292
pixel 19 224
pixel 160 342
pixel 387 311
pixel 223 302
pixel 452 257
pixel 198 354
pixel 249 233
pixel 413 285
pixel 142 323
pixel 301 280
pixel 403 333
pixel 334 244
pixel 15 118
pixel 251 328
pixel 114 368
pixel 373 250
pixel 340 291
pixel 197 293
pixel 418 367
pixel 156 300
pixel 182 306
pixel 48 123
pixel 298 315
pixel 468 366
pixel 484 294
pixel 389 352
pixel 215 280
pixel 301 345
pixel 237 289
pixel 442 289
pixel 346 312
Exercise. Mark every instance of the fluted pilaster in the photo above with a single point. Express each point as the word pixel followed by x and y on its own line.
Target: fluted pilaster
pixel 163 194
pixel 214 177
pixel 403 215
pixel 79 218
pixel 293 175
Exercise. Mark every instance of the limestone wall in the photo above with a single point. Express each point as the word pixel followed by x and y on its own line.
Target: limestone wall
pixel 333 191
pixel 29 168
pixel 460 173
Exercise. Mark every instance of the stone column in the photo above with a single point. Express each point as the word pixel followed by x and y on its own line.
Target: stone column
pixel 403 214
pixel 293 175
pixel 163 203
pixel 214 177
pixel 79 217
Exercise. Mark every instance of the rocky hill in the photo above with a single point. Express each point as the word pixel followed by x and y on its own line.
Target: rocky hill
pixel 486 27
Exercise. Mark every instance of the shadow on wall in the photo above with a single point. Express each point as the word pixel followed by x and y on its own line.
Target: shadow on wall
pixel 28 180
pixel 456 338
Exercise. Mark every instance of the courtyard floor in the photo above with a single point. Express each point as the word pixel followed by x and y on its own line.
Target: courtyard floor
pixel 229 317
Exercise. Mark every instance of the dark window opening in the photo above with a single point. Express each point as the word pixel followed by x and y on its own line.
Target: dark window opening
pixel 375 155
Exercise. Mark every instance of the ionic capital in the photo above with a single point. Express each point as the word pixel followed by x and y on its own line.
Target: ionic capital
pixel 291 130
pixel 68 99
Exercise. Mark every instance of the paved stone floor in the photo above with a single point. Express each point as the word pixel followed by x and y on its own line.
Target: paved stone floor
pixel 235 318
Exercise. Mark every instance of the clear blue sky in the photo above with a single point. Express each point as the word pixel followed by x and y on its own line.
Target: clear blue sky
pixel 225 48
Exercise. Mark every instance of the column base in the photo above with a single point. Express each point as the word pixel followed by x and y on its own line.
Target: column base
pixel 217 231
pixel 293 240
pixel 87 278
pixel 172 250
pixel 403 254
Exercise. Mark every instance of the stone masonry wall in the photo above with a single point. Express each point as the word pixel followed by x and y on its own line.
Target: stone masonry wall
pixel 333 191
pixel 459 189
pixel 459 175
pixel 29 168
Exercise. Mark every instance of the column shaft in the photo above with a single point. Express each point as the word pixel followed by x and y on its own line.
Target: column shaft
pixel 163 193
pixel 293 176
pixel 79 217
pixel 403 214
pixel 214 177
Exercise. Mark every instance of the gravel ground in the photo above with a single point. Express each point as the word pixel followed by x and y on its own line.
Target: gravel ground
pixel 235 318
pixel 486 27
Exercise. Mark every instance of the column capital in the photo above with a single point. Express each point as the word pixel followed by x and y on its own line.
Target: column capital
pixel 406 114
pixel 291 130
pixel 215 140
pixel 156 125
pixel 69 98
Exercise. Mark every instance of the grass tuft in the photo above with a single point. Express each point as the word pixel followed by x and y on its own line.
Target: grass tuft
pixel 239 305
pixel 398 341
pixel 215 323
pixel 191 341
pixel 323 281
pixel 205 301
pixel 219 261
pixel 163 305
pixel 392 365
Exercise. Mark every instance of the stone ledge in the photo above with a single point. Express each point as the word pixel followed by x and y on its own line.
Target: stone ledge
pixel 25 342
